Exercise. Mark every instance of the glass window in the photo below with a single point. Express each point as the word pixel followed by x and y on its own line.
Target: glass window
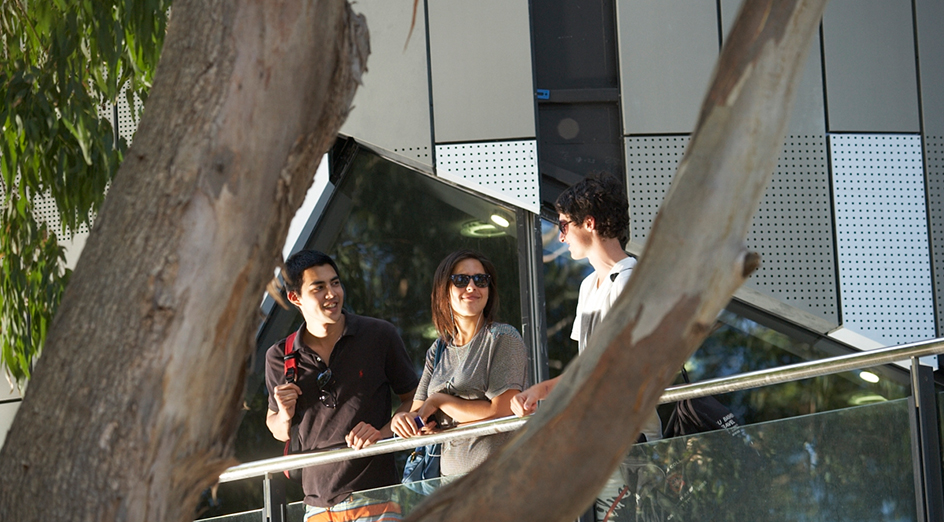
pixel 387 227
pixel 562 277
pixel 737 345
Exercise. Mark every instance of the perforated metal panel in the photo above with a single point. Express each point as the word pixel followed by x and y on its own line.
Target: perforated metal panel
pixel 128 116
pixel 651 163
pixel 419 153
pixel 881 225
pixel 934 161
pixel 792 231
pixel 44 208
pixel 504 170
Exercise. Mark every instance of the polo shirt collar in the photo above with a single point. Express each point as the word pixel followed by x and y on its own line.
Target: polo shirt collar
pixel 351 325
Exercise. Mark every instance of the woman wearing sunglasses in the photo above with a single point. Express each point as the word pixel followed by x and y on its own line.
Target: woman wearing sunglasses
pixel 482 364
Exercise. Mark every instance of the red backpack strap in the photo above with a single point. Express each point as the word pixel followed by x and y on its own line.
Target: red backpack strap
pixel 290 373
pixel 291 369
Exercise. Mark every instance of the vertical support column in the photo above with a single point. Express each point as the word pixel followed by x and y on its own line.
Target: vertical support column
pixel 274 497
pixel 531 282
pixel 925 444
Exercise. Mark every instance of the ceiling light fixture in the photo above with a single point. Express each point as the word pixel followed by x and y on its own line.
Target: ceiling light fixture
pixel 477 228
pixel 501 219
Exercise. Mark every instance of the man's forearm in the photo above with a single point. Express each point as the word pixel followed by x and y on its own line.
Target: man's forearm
pixel 279 427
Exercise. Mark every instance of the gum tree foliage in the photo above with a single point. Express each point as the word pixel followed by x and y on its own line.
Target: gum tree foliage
pixel 62 63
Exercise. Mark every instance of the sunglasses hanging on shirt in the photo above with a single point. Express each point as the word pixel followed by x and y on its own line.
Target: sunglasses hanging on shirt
pixel 325 395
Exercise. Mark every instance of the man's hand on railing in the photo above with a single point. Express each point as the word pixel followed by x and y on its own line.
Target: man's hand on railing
pixel 526 402
pixel 362 435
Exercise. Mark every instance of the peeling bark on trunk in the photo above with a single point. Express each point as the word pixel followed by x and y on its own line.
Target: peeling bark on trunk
pixel 694 260
pixel 134 405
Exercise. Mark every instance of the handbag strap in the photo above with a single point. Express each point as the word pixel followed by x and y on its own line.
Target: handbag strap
pixel 685 375
pixel 440 346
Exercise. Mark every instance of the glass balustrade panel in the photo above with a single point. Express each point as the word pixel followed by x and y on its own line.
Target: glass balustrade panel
pixel 849 465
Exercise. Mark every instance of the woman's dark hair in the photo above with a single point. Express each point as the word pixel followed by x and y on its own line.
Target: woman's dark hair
pixel 439 298
pixel 603 197
pixel 300 261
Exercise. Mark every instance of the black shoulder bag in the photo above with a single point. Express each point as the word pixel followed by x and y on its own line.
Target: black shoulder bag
pixel 698 415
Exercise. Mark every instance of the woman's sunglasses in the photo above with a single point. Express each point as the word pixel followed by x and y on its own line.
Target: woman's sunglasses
pixel 462 280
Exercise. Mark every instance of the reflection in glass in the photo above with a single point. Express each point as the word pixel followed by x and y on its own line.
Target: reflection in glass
pixel 849 465
pixel 562 277
pixel 737 345
pixel 393 228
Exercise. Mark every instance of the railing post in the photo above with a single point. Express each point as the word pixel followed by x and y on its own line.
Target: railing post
pixel 925 444
pixel 274 497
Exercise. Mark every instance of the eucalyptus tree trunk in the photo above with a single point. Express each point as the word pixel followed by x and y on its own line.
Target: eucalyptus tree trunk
pixel 694 260
pixel 134 406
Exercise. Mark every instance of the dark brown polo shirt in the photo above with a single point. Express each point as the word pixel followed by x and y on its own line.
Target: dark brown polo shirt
pixel 368 361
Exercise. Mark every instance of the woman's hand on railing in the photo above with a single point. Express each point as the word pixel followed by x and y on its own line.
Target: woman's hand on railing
pixel 410 424
pixel 404 424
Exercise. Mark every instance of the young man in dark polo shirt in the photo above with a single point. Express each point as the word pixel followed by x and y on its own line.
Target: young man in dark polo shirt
pixel 347 366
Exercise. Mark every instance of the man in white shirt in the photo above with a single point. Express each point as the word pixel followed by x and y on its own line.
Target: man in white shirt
pixel 593 217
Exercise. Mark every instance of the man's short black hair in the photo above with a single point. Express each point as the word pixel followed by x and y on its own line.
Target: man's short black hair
pixel 603 197
pixel 300 261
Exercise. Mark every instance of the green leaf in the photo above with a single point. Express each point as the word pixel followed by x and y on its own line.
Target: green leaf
pixel 59 60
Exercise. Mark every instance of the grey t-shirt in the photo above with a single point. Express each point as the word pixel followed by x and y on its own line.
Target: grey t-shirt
pixel 493 362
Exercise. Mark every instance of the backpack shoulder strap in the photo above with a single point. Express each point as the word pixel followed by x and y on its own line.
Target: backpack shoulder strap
pixel 290 357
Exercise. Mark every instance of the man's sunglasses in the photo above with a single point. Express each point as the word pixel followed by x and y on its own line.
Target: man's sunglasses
pixel 562 226
pixel 462 280
pixel 325 395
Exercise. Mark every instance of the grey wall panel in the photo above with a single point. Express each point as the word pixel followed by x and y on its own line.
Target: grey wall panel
pixel 668 49
pixel 882 237
pixel 793 233
pixel 480 59
pixel 7 413
pixel 934 163
pixel 870 66
pixel 391 108
pixel 809 112
pixel 930 14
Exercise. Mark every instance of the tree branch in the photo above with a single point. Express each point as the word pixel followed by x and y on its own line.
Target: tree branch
pixel 694 260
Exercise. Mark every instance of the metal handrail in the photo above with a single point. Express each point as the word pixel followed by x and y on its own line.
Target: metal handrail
pixel 756 379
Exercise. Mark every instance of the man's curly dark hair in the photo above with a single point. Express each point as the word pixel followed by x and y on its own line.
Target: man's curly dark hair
pixel 602 196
